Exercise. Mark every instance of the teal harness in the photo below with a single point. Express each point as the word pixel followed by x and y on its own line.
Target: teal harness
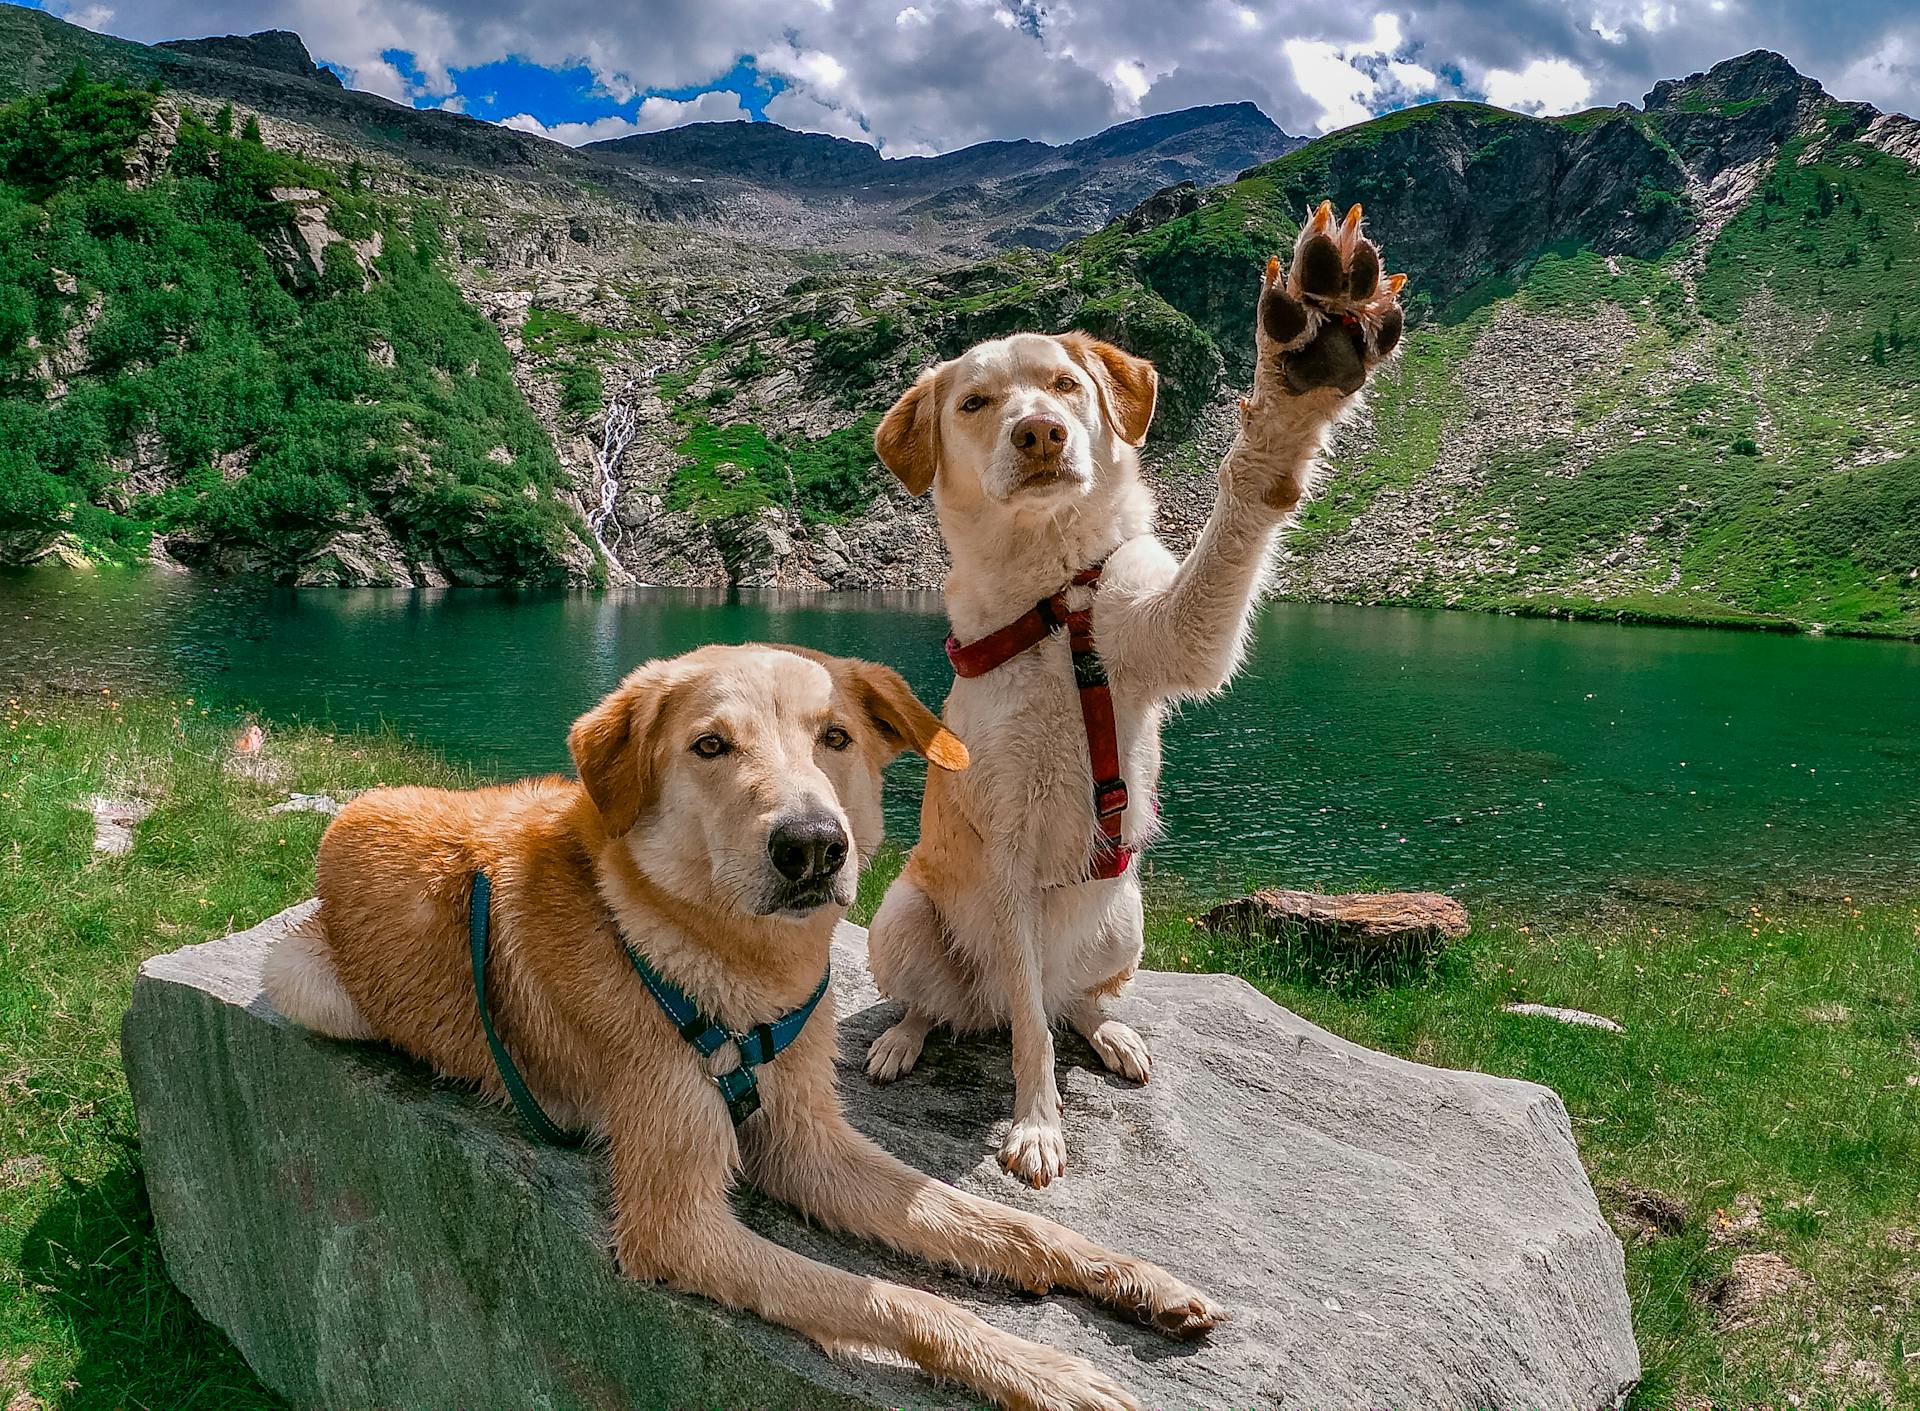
pixel 739 1086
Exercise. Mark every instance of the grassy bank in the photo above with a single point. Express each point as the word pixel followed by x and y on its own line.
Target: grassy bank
pixel 1755 1132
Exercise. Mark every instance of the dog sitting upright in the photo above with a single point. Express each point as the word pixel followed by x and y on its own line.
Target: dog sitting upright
pixel 646 960
pixel 1073 628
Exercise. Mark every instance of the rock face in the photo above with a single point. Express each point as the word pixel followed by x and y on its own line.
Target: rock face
pixel 1364 920
pixel 280 50
pixel 1386 1234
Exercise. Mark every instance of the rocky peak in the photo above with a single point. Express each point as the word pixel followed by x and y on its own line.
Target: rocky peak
pixel 280 50
pixel 1761 78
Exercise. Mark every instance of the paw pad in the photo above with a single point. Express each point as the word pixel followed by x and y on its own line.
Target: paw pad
pixel 1332 318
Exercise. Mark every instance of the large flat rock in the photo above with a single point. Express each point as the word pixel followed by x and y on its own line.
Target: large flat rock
pixel 1386 1234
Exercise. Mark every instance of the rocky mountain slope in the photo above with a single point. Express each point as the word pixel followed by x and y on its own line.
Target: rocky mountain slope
pixel 1656 365
pixel 799 187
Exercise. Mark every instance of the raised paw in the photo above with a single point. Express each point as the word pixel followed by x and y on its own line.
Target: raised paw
pixel 1155 1299
pixel 1035 1151
pixel 896 1051
pixel 1122 1050
pixel 1331 318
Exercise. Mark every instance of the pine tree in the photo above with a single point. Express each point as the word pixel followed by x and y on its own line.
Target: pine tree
pixel 251 132
pixel 1879 354
pixel 223 120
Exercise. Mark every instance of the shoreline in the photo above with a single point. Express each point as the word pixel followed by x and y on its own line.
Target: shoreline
pixel 1560 610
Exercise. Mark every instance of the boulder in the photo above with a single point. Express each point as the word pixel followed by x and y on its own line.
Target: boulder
pixel 1386 1234
pixel 1360 920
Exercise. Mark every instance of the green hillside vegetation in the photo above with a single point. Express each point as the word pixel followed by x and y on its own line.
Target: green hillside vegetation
pixel 1750 454
pixel 171 361
pixel 1779 477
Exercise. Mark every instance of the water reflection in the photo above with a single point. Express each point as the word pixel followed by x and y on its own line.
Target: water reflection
pixel 1488 755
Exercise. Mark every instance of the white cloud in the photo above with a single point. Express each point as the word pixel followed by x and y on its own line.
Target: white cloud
pixel 932 75
pixel 1325 76
pixel 1415 78
pixel 1544 86
pixel 1887 76
pixel 1343 78
pixel 93 17
pixel 800 110
pixel 655 114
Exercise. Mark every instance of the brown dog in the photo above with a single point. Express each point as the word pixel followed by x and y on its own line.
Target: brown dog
pixel 726 801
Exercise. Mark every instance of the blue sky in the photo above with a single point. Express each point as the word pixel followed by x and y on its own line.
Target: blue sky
pixel 920 76
pixel 560 97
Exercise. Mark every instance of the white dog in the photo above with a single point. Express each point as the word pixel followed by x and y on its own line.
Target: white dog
pixel 1020 903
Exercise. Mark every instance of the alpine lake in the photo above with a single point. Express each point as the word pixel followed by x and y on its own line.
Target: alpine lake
pixel 1495 757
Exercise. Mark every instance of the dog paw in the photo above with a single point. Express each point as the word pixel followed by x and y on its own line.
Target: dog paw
pixel 1059 1381
pixel 1035 1151
pixel 1157 1300
pixel 1122 1051
pixel 895 1052
pixel 1332 317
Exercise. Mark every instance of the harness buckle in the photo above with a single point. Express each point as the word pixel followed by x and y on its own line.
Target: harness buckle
pixel 1109 798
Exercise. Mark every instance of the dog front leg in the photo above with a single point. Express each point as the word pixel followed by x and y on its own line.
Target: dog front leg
pixel 1323 326
pixel 808 1156
pixel 1036 1148
pixel 673 1224
pixel 1188 638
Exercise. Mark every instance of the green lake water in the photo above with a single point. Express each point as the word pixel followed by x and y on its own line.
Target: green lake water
pixel 1496 757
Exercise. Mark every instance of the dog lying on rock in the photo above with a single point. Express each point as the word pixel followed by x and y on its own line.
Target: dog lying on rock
pixel 1073 631
pixel 643 955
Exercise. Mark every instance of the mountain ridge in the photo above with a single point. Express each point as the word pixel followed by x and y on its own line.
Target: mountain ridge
pixel 1655 364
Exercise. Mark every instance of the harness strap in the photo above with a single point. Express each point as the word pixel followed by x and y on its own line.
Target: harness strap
pixel 1111 857
pixel 739 1085
pixel 478 924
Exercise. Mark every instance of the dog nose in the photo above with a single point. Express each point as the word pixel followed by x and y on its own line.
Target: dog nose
pixel 1039 435
pixel 805 848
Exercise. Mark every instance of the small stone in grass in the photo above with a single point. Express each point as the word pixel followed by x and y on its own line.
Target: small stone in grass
pixel 308 803
pixel 1359 921
pixel 1566 1016
pixel 114 821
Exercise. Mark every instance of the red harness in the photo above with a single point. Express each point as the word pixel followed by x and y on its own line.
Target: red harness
pixel 1049 615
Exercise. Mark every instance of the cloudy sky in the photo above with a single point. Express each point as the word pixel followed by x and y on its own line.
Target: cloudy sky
pixel 922 76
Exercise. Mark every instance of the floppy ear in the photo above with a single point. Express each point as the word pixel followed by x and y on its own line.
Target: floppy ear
pixel 610 745
pixel 902 720
pixel 1128 385
pixel 908 437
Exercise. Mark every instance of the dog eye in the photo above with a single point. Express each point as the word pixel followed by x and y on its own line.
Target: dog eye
pixel 1066 382
pixel 973 403
pixel 836 738
pixel 711 746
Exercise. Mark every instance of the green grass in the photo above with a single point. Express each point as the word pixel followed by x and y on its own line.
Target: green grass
pixel 87 1316
pixel 1768 1058
pixel 1769 1062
